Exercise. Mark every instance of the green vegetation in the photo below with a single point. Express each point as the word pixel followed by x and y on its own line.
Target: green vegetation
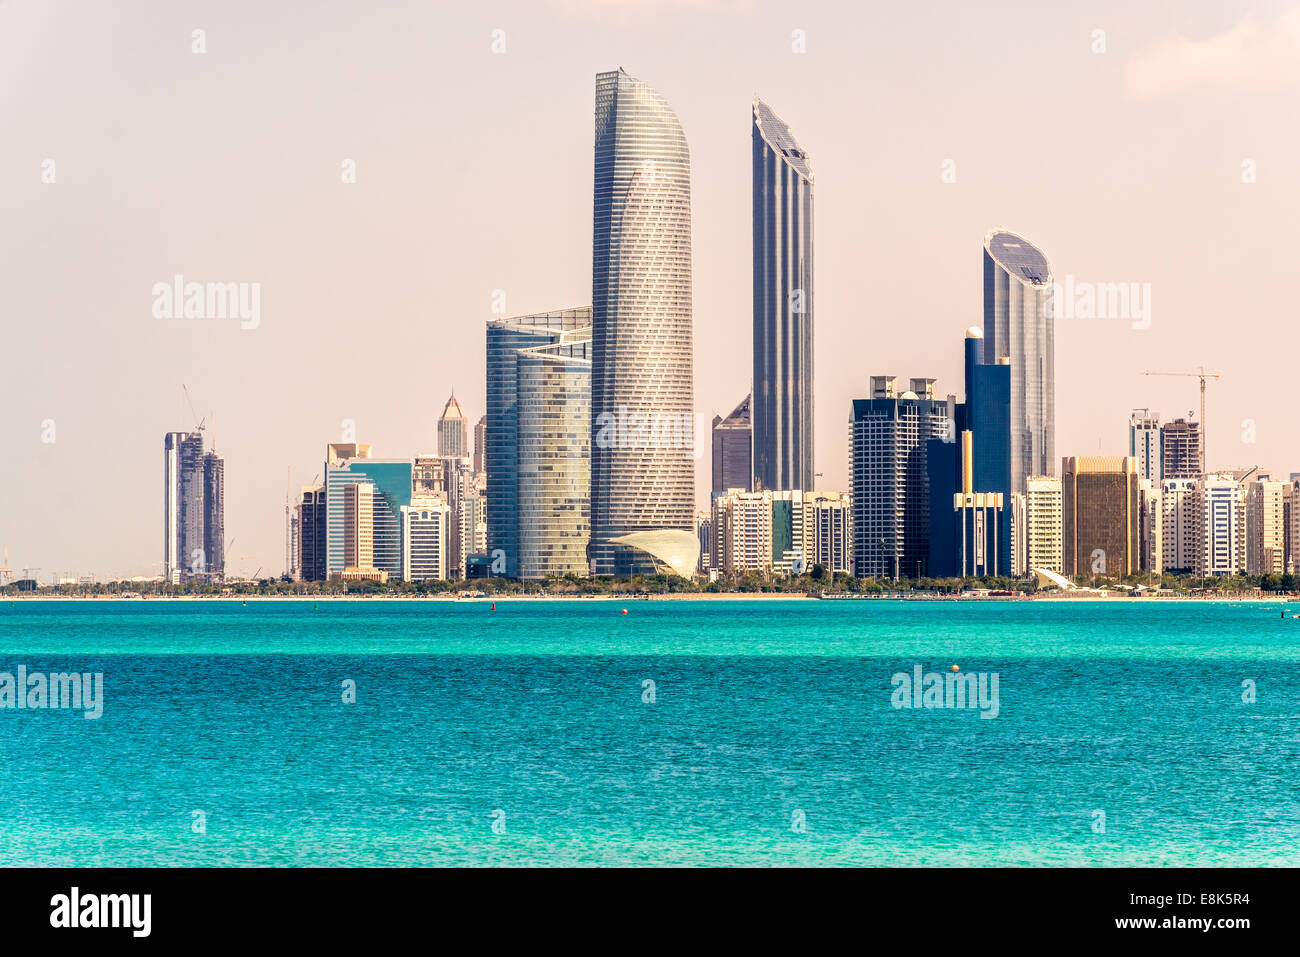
pixel 817 582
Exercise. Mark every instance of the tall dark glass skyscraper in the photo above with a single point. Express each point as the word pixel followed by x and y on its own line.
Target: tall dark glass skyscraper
pixel 642 406
pixel 783 306
pixel 1017 284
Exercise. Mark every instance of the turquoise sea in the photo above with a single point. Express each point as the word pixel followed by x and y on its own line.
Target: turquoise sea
pixel 521 735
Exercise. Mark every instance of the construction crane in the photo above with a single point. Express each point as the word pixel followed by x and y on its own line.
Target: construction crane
pixel 1201 374
pixel 6 573
pixel 198 423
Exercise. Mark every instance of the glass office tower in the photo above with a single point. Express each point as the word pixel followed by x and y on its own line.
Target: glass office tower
pixel 642 410
pixel 505 339
pixel 783 306
pixel 1017 284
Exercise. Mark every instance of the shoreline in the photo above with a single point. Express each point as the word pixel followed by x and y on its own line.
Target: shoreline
pixel 677 596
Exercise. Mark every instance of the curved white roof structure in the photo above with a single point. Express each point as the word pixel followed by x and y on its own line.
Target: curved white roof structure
pixel 671 549
pixel 1046 577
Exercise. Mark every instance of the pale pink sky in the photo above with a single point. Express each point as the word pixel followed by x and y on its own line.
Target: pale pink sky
pixel 474 173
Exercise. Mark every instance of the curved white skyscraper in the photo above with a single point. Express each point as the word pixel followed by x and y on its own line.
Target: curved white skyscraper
pixel 642 409
pixel 782 409
pixel 1017 284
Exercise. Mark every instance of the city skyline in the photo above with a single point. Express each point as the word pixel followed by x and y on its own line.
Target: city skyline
pixel 270 397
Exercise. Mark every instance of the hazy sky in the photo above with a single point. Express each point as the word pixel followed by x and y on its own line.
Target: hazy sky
pixel 474 173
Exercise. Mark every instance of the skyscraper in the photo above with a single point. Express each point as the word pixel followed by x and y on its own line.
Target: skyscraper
pixel 1266 526
pixel 193 509
pixel 1181 449
pixel 889 481
pixel 783 305
pixel 1146 444
pixel 312 533
pixel 349 463
pixel 969 473
pixel 214 515
pixel 1017 325
pixel 733 450
pixel 453 430
pixel 480 442
pixel 642 407
pixel 1043 523
pixel 506 339
pixel 1222 527
pixel 1100 520
pixel 1180 516
pixel 554 456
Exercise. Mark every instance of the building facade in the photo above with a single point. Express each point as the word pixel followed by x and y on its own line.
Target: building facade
pixel 1044 541
pixel 1099 517
pixel 783 305
pixel 312 533
pixel 889 483
pixel 1180 509
pixel 350 463
pixel 554 457
pixel 1266 527
pixel 426 532
pixel 642 483
pixel 1222 527
pixel 506 338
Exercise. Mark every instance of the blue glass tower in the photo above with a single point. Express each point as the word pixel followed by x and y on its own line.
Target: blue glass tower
pixel 970 474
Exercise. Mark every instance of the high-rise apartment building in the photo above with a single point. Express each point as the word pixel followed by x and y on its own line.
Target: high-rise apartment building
pixel 783 305
pixel 1266 527
pixel 426 532
pixel 642 406
pixel 1291 523
pixel 1181 525
pixel 569 331
pixel 1222 527
pixel 1181 449
pixel 453 431
pixel 1017 326
pixel 1044 543
pixel 1151 522
pixel 733 450
pixel 1145 444
pixel 1099 516
pixel 889 484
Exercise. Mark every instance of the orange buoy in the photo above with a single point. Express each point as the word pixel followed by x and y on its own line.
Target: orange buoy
pixel 956 668
pixel 625 611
